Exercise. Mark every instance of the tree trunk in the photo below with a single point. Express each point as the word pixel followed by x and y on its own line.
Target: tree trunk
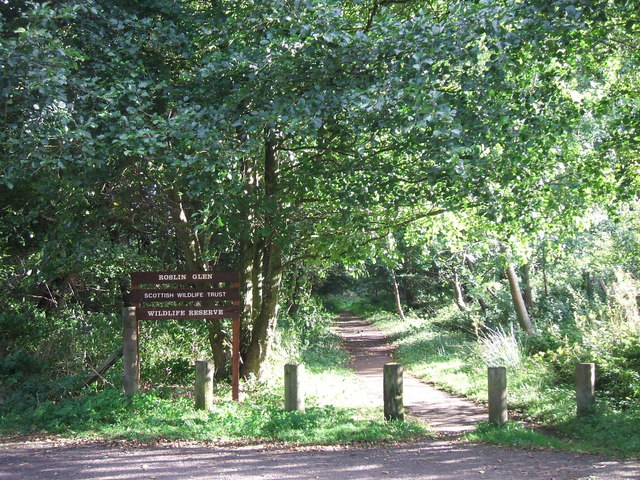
pixel 192 252
pixel 516 297
pixel 265 322
pixel 185 233
pixel 247 289
pixel 299 293
pixel 483 305
pixel 257 277
pixel 220 349
pixel 603 289
pixel 469 262
pixel 460 302
pixel 396 295
pixel 529 299
pixel 251 281
pixel 588 284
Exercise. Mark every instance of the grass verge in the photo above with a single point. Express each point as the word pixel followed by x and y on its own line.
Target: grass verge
pixel 154 416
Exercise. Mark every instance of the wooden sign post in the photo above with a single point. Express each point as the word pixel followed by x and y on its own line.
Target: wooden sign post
pixel 211 303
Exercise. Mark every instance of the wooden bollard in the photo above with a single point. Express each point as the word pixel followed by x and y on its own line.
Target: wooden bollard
pixel 204 385
pixel 585 388
pixel 294 387
pixel 497 377
pixel 130 354
pixel 392 387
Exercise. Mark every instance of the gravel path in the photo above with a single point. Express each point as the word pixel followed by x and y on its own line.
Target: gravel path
pixel 439 459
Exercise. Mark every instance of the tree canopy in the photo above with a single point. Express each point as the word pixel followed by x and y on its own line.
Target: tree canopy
pixel 267 135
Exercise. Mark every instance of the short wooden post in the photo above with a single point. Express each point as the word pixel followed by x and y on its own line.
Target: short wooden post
pixel 585 388
pixel 294 387
pixel 130 353
pixel 392 387
pixel 204 385
pixel 497 377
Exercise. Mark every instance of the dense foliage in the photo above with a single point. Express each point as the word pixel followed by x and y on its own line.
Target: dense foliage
pixel 433 146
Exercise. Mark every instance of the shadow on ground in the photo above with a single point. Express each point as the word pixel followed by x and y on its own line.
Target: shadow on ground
pixel 421 461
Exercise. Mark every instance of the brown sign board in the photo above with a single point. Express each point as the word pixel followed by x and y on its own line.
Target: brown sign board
pixel 209 296
pixel 139 278
pixel 166 313
pixel 184 295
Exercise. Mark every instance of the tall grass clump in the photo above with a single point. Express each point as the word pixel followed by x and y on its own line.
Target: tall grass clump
pixel 499 347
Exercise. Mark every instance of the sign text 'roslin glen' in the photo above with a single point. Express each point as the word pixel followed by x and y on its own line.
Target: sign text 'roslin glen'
pixel 185 277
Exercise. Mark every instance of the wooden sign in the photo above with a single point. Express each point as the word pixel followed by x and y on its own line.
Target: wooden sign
pixel 206 296
pixel 184 295
pixel 214 304
pixel 180 313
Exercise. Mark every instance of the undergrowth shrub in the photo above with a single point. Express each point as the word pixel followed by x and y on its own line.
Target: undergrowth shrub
pixel 169 349
pixel 357 303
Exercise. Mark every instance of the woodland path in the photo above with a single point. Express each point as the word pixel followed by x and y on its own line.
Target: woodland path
pixel 369 350
pixel 442 458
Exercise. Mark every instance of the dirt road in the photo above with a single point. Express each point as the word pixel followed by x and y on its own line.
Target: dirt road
pixel 426 460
